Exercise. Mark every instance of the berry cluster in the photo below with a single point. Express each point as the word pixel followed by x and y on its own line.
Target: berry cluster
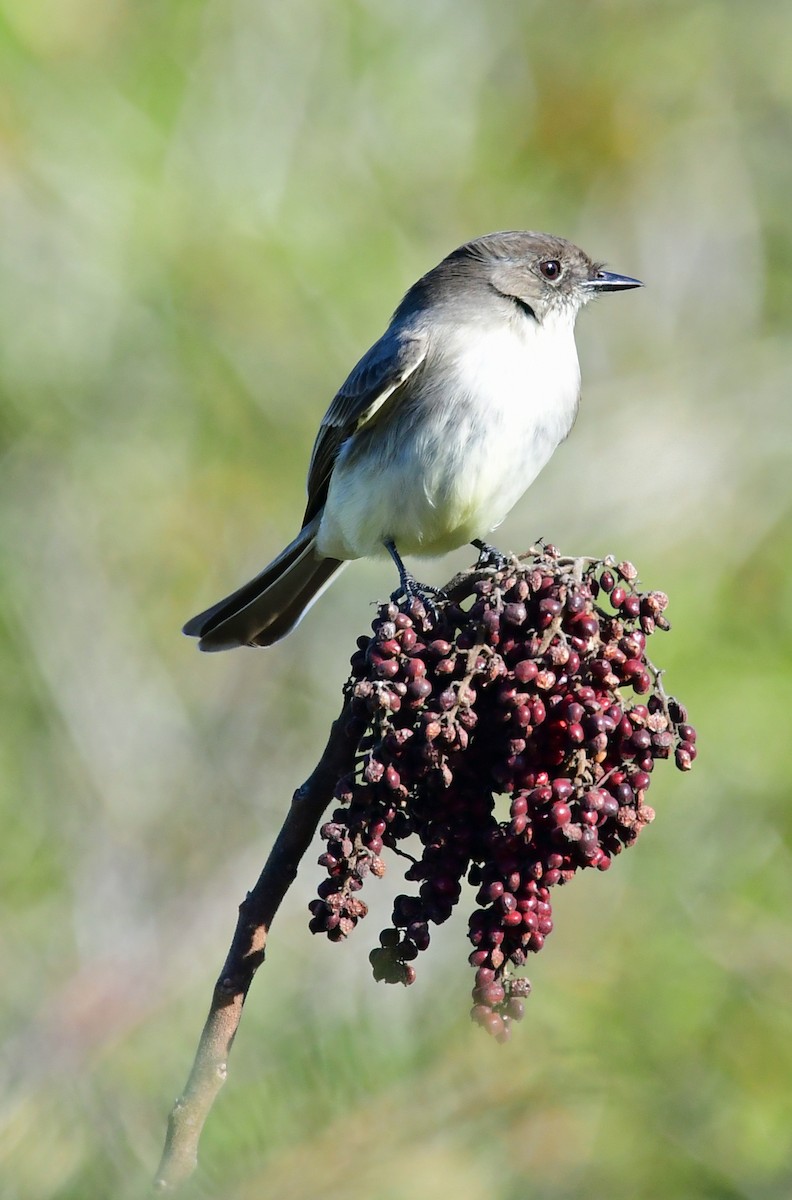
pixel 531 683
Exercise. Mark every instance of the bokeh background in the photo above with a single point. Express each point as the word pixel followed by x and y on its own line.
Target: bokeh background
pixel 208 210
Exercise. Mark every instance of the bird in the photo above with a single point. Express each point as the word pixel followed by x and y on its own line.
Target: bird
pixel 437 431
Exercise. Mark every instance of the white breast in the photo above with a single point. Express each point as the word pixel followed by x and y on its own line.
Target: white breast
pixel 493 405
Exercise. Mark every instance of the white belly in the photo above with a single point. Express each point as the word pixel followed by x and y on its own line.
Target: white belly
pixel 448 462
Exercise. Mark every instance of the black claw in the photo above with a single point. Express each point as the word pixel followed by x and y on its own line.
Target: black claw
pixel 410 589
pixel 490 556
pixel 406 595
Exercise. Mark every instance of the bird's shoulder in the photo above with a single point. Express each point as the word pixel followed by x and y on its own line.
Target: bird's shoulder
pixel 384 366
pixel 370 384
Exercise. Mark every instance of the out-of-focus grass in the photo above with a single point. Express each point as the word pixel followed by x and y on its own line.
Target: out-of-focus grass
pixel 207 211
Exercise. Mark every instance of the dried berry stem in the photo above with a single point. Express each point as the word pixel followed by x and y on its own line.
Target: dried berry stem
pixel 246 954
pixel 522 685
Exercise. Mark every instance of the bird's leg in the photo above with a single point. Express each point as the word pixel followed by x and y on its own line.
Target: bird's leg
pixel 409 588
pixel 490 556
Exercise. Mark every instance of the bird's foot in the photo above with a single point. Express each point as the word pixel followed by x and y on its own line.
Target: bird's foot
pixel 490 556
pixel 410 590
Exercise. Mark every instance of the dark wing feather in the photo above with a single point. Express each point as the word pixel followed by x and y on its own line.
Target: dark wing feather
pixel 381 370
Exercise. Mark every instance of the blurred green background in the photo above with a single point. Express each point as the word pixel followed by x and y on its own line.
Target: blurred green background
pixel 208 210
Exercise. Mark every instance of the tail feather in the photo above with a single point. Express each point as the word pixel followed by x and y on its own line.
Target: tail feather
pixel 268 607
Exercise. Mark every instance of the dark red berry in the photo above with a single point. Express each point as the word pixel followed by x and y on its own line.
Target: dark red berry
pixel 520 685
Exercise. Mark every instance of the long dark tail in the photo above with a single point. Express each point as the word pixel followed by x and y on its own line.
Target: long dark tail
pixel 266 609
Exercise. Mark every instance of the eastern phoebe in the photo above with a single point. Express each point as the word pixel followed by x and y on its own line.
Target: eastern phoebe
pixel 439 429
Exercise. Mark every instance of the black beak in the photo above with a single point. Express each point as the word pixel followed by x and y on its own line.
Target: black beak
pixel 606 281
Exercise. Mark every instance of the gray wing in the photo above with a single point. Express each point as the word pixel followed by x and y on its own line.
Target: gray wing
pixel 381 370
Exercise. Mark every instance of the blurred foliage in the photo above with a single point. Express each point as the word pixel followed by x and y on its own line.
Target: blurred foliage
pixel 208 209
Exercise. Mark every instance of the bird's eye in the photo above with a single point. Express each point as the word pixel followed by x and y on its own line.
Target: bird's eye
pixel 550 268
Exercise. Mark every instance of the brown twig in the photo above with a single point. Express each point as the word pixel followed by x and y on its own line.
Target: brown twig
pixel 256 913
